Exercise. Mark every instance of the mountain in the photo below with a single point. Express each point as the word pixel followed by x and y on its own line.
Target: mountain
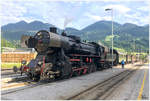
pixel 125 36
pixel 24 26
pixel 73 31
pixel 14 31
pixel 135 30
pixel 101 25
pixel 101 29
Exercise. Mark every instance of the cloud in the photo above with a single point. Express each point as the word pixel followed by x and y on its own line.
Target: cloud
pixel 133 16
pixel 94 17
pixel 12 9
pixel 98 18
pixel 16 11
pixel 12 12
pixel 145 20
pixel 144 8
pixel 83 13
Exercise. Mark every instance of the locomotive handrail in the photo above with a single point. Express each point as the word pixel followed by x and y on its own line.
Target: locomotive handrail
pixel 84 55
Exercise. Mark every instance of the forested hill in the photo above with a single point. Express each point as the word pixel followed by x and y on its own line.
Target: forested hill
pixel 127 36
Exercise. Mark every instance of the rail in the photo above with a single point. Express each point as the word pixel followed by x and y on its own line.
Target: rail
pixel 100 90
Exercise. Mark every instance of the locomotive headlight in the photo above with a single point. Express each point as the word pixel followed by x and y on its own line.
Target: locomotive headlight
pixel 27 69
pixel 40 63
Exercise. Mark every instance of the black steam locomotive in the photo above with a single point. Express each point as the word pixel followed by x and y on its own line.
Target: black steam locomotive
pixel 65 55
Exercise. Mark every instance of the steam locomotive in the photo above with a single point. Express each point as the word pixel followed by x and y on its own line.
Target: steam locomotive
pixel 60 56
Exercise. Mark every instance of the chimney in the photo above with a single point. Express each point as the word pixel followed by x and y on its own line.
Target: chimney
pixel 53 30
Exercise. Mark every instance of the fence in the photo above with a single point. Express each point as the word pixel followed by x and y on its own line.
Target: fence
pixel 17 57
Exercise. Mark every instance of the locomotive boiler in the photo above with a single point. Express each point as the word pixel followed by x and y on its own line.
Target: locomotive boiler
pixel 60 56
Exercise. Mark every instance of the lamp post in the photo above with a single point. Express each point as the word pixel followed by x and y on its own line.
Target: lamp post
pixel 110 9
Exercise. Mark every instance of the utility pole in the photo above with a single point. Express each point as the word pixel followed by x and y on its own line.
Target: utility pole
pixel 110 9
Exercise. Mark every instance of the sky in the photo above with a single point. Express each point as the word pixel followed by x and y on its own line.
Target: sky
pixel 76 14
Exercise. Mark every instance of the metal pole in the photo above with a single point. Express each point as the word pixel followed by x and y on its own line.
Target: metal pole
pixel 112 30
pixel 112 35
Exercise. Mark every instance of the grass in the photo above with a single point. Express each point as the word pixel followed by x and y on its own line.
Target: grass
pixel 120 50
pixel 9 65
pixel 109 37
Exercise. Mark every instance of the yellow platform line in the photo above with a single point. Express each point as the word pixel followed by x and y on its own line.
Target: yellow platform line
pixel 142 86
pixel 6 79
pixel 15 85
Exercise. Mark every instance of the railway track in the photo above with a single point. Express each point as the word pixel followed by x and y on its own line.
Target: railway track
pixel 23 83
pixel 14 79
pixel 101 90
pixel 5 72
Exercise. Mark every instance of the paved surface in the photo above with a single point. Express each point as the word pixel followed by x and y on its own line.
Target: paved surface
pixel 131 89
pixel 63 89
pixel 5 73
